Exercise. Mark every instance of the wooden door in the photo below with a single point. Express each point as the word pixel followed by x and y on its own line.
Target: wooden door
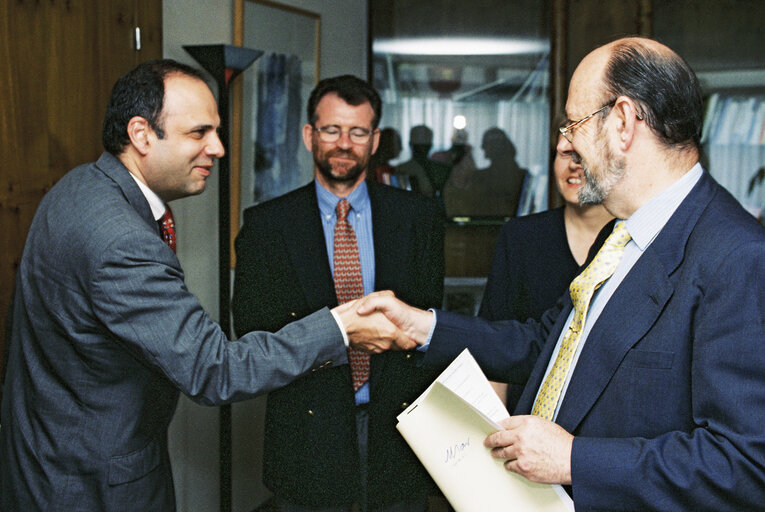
pixel 58 62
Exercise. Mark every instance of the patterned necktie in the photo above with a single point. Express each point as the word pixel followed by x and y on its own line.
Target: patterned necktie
pixel 581 291
pixel 167 227
pixel 348 283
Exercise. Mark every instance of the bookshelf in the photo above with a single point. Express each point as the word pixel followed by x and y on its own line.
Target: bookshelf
pixel 734 142
pixel 722 42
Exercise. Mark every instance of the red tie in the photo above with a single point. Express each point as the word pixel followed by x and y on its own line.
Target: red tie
pixel 167 226
pixel 348 283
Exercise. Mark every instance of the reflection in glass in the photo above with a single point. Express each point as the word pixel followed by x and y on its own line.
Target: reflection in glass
pixel 466 87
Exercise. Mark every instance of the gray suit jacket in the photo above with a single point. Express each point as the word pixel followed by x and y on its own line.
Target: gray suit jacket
pixel 104 335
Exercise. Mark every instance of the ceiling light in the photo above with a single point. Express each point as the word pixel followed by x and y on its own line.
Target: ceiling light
pixel 459 123
pixel 459 46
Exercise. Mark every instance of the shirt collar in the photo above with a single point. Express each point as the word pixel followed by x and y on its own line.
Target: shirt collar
pixel 646 223
pixel 156 204
pixel 359 199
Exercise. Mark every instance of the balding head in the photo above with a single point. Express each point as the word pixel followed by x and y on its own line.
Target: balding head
pixel 660 82
pixel 635 118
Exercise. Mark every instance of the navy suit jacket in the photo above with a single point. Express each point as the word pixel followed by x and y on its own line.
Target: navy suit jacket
pixel 310 453
pixel 667 401
pixel 104 335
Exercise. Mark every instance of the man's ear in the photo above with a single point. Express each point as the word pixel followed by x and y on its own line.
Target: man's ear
pixel 308 137
pixel 139 132
pixel 627 113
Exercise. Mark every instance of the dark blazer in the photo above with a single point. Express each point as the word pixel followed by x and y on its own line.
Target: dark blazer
pixel 104 335
pixel 531 268
pixel 667 401
pixel 283 273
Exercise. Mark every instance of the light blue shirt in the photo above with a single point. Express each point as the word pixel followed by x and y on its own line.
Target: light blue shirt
pixel 360 218
pixel 643 226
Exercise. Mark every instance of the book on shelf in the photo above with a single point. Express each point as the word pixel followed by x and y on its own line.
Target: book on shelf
pixel 734 120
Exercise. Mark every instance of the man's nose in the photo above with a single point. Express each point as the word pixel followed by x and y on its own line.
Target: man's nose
pixel 345 140
pixel 215 147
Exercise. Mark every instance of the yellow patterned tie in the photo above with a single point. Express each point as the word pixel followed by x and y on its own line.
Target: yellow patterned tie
pixel 581 290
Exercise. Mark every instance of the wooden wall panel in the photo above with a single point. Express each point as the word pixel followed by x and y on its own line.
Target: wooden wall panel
pixel 592 23
pixel 58 62
pixel 469 249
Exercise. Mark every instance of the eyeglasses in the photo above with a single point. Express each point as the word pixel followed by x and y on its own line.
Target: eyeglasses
pixel 568 130
pixel 333 133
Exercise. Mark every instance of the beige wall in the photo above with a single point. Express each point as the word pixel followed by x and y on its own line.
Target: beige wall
pixel 194 431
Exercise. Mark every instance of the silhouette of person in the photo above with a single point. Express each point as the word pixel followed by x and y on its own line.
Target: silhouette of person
pixel 426 176
pixel 388 149
pixel 498 187
pixel 458 196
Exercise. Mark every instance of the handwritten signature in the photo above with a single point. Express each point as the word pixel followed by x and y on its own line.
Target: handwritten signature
pixel 456 452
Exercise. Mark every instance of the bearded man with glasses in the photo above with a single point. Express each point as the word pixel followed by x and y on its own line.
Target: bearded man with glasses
pixel 330 439
pixel 645 384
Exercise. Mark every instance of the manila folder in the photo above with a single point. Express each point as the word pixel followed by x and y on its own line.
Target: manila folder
pixel 446 433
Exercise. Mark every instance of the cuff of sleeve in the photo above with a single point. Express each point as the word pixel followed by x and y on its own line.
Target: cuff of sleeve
pixel 342 327
pixel 424 347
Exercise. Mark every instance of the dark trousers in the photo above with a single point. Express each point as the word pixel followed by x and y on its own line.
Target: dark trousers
pixel 419 503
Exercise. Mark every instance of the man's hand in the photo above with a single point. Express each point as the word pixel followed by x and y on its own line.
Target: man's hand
pixel 415 323
pixel 372 332
pixel 534 447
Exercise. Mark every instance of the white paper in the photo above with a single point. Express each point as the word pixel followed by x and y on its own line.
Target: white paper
pixel 446 427
pixel 466 380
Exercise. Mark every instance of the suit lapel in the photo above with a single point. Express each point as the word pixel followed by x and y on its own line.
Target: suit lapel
pixel 392 230
pixel 303 236
pixel 644 292
pixel 389 238
pixel 386 224
pixel 112 167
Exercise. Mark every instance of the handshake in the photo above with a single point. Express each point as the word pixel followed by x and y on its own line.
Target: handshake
pixel 379 322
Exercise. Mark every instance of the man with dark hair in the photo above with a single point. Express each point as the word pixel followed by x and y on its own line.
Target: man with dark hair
pixel 105 334
pixel 330 437
pixel 647 391
pixel 139 93
pixel 675 113
pixel 352 90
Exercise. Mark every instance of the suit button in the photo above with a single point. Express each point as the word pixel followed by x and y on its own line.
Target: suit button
pixel 322 365
pixel 404 405
pixel 408 356
pixel 293 314
pixel 310 412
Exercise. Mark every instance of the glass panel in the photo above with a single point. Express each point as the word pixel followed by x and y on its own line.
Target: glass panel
pixel 466 111
pixel 473 85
